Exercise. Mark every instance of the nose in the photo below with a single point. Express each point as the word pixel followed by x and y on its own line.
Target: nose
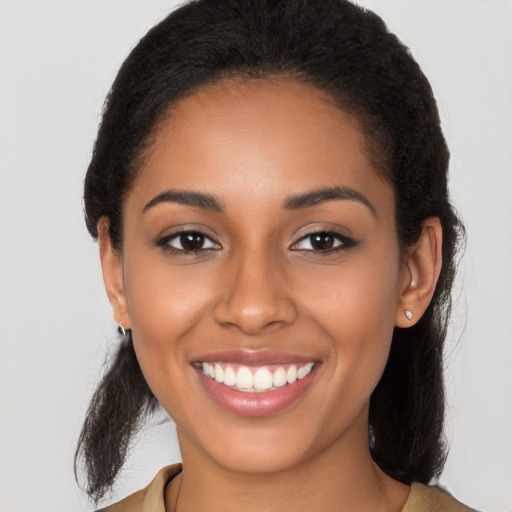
pixel 255 296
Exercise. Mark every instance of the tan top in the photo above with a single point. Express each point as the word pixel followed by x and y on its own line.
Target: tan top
pixel 151 499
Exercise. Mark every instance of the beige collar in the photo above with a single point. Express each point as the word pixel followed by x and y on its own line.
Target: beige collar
pixel 152 499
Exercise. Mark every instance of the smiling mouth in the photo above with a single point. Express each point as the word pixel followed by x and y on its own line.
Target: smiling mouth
pixel 255 379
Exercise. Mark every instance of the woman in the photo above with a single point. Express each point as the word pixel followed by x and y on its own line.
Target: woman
pixel 268 188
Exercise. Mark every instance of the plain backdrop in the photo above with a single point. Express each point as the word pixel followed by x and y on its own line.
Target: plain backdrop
pixel 57 61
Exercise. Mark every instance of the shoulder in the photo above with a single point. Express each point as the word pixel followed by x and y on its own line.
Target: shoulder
pixel 149 499
pixel 432 499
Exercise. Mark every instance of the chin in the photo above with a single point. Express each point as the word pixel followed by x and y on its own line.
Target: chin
pixel 259 458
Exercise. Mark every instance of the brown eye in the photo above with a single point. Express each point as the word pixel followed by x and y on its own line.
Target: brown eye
pixel 192 241
pixel 322 241
pixel 188 241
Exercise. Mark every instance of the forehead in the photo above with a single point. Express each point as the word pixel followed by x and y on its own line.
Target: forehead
pixel 265 136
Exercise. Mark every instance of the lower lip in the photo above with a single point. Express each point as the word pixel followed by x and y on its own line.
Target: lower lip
pixel 256 404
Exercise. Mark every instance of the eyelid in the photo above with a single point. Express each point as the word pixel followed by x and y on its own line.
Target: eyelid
pixel 164 240
pixel 345 241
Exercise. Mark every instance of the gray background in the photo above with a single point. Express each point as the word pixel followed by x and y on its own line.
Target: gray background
pixel 57 60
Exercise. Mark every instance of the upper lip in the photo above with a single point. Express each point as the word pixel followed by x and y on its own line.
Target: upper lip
pixel 253 357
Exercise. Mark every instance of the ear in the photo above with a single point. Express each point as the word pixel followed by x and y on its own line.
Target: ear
pixel 112 268
pixel 420 274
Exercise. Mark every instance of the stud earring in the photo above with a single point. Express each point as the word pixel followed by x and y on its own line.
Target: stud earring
pixel 122 330
pixel 408 314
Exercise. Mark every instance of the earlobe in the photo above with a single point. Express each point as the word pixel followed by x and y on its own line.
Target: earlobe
pixel 421 271
pixel 112 268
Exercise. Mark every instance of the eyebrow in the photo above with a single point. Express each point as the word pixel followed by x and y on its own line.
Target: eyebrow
pixel 197 199
pixel 292 203
pixel 318 196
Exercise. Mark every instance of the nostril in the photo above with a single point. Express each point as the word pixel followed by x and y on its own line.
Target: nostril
pixel 252 320
pixel 251 297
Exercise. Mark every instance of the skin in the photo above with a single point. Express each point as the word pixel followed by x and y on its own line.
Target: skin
pixel 258 285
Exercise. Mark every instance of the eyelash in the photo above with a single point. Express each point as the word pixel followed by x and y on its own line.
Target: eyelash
pixel 344 242
pixel 165 241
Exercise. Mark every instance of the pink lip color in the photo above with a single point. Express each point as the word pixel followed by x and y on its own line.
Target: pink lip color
pixel 255 404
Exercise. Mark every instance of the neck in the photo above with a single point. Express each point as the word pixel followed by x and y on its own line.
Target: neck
pixel 341 478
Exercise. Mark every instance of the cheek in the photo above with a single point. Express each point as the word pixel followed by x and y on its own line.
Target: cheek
pixel 164 301
pixel 360 297
pixel 355 306
pixel 165 304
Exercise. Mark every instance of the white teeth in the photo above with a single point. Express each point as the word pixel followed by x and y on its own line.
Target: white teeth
pixel 279 377
pixel 304 370
pixel 244 378
pixel 229 376
pixel 219 373
pixel 291 374
pixel 262 380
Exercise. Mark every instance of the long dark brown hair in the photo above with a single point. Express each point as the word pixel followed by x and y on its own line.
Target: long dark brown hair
pixel 343 50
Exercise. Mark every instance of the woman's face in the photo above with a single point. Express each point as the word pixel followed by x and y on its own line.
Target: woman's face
pixel 260 242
